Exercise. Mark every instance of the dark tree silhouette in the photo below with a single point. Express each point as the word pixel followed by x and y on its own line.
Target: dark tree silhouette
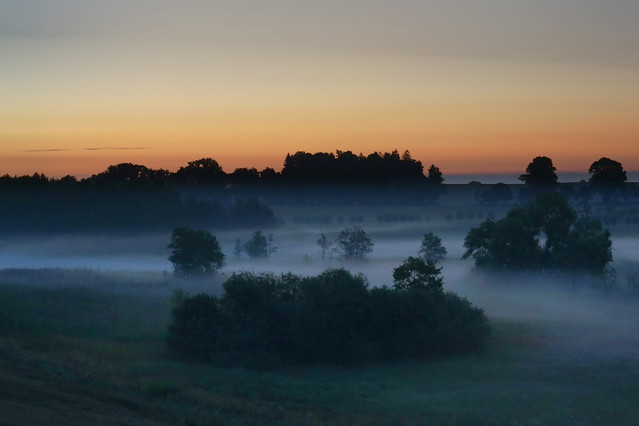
pixel 202 171
pixel 540 174
pixel 354 243
pixel 435 175
pixel 195 251
pixel 128 173
pixel 607 176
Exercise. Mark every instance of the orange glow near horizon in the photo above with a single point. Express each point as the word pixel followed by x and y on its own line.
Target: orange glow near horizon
pixel 169 87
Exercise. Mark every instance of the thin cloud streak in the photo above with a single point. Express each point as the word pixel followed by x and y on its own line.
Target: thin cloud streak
pixel 46 150
pixel 117 148
pixel 106 148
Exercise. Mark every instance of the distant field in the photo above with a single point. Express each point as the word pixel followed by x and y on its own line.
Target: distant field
pixel 85 355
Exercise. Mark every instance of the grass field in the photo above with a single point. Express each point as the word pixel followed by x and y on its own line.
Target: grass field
pixel 81 355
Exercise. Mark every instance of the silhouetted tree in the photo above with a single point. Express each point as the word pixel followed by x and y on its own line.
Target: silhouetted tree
pixel 195 251
pixel 354 243
pixel 128 173
pixel 431 248
pixel 435 175
pixel 199 172
pixel 243 176
pixel 540 175
pixel 606 171
pixel 607 177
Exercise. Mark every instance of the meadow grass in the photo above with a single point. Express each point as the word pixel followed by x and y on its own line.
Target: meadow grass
pixel 112 346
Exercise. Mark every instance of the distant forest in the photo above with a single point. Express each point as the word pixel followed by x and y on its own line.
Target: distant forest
pixel 133 197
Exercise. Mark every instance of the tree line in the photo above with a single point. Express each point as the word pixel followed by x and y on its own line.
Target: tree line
pixel 37 204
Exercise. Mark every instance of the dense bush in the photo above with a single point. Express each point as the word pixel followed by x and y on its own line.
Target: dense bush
pixel 330 318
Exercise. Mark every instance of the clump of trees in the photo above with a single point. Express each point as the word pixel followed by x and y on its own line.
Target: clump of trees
pixel 195 252
pixel 333 317
pixel 544 234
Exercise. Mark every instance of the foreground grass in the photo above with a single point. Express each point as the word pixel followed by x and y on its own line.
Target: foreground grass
pixel 111 347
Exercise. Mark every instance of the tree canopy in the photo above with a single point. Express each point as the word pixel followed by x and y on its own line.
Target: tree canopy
pixel 195 251
pixel 540 174
pixel 607 177
pixel 545 234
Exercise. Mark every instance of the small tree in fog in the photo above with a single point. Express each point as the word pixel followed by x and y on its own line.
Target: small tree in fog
pixel 325 244
pixel 432 248
pixel 195 251
pixel 354 243
pixel 260 245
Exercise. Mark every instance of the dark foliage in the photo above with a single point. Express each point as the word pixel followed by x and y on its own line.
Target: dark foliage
pixel 344 165
pixel 195 251
pixel 125 197
pixel 607 172
pixel 540 174
pixel 329 318
pixel 607 177
pixel 418 274
pixel 545 234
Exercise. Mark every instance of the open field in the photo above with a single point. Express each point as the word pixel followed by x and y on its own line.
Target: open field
pixel 83 323
pixel 88 356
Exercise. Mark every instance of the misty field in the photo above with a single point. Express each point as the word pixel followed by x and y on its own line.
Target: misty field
pixel 83 322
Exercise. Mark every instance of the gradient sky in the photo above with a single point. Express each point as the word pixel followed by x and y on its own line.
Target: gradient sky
pixel 471 86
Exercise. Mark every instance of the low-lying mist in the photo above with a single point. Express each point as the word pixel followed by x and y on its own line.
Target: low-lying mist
pixel 579 318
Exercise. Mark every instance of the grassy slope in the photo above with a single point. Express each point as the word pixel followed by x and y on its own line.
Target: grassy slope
pixel 101 357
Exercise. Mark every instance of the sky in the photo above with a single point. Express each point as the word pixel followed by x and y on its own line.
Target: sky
pixel 470 86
